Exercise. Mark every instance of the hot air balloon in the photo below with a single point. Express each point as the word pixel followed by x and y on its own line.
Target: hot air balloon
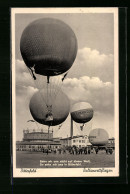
pixel 82 112
pixel 49 46
pixel 98 137
pixel 52 112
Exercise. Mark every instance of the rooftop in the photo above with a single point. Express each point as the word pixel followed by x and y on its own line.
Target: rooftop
pixel 36 143
pixel 74 137
pixel 39 132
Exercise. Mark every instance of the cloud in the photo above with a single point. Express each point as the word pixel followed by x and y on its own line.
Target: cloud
pixel 93 64
pixel 99 93
pixel 24 95
pixel 93 90
pixel 96 88
pixel 24 77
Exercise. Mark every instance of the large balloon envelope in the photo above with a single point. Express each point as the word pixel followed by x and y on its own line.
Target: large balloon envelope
pixel 82 112
pixel 49 45
pixel 59 108
pixel 98 137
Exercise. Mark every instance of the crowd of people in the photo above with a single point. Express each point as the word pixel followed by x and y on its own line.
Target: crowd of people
pixel 71 150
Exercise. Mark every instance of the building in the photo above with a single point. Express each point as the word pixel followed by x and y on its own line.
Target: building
pixel 37 136
pixel 65 142
pixel 78 141
pixel 37 141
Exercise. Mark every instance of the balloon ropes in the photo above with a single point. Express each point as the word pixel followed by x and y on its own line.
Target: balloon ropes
pixel 81 112
pixel 57 115
pixel 48 47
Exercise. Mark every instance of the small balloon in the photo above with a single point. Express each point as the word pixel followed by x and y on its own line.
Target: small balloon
pixel 82 112
pixel 98 137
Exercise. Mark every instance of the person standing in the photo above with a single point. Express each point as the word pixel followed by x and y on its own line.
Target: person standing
pixel 73 150
pixel 85 150
pixel 96 150
pixel 89 150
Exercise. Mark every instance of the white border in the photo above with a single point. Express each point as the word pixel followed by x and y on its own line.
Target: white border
pixel 68 172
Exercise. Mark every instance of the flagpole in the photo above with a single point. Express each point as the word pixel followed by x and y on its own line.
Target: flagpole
pixel 71 128
pixel 48 132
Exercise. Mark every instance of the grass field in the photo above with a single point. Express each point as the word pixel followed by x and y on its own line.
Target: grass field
pixel 26 159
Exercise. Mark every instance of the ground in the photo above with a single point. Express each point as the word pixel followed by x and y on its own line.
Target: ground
pixel 26 159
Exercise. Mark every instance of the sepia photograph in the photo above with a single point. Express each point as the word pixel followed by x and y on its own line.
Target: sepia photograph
pixel 65 96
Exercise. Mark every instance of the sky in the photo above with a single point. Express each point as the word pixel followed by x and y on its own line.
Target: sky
pixel 90 79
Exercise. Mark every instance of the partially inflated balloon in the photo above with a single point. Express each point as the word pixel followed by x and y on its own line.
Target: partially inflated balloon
pixel 56 105
pixel 49 45
pixel 98 137
pixel 81 112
